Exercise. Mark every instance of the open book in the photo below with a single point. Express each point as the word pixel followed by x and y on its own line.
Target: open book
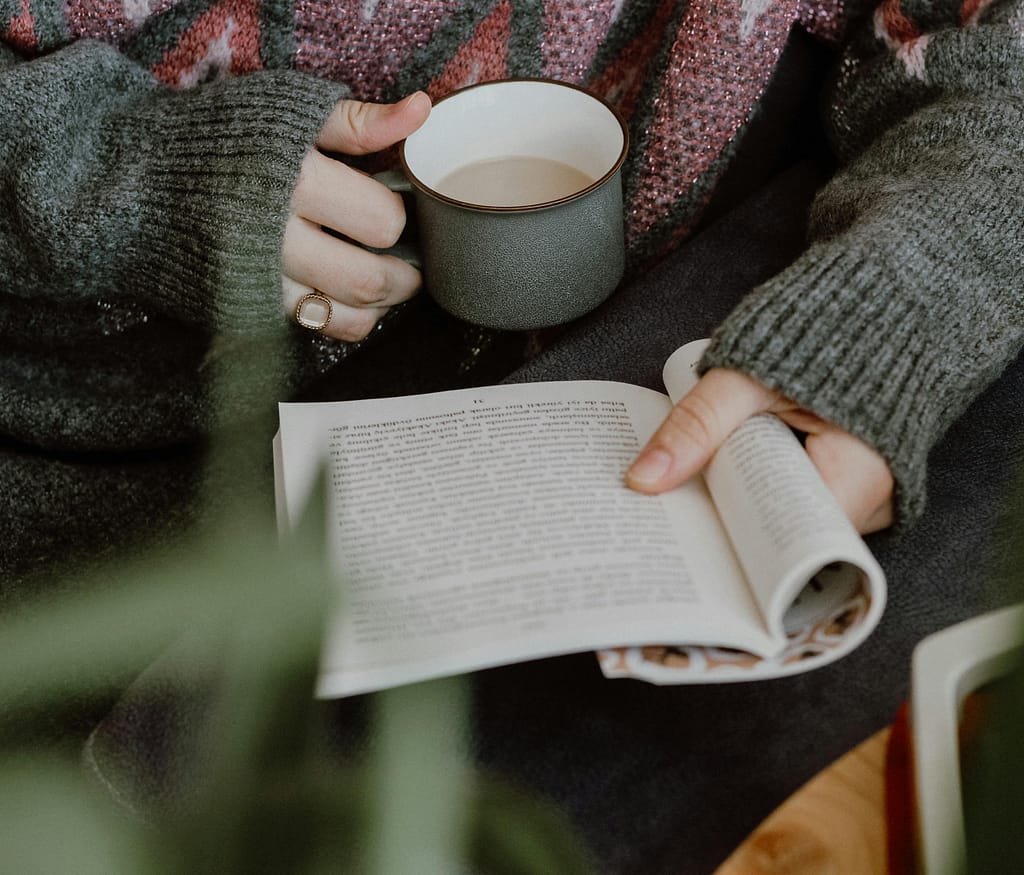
pixel 481 527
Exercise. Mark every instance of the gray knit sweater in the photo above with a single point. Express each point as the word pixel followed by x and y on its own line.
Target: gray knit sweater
pixel 140 225
pixel 910 297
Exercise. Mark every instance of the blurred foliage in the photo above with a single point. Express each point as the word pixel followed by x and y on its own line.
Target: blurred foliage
pixel 993 788
pixel 263 791
pixel 994 785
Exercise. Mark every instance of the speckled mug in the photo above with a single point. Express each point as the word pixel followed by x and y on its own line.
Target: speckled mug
pixel 528 266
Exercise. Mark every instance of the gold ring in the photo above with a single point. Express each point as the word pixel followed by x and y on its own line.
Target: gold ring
pixel 313 324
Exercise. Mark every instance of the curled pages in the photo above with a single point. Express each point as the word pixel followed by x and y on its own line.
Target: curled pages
pixel 480 527
pixel 816 584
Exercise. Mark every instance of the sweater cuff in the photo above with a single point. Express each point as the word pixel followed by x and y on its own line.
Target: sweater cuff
pixel 831 334
pixel 216 194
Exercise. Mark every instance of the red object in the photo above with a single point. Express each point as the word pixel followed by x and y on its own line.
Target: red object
pixel 900 817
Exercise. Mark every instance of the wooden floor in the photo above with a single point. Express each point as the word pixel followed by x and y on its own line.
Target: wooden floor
pixel 834 824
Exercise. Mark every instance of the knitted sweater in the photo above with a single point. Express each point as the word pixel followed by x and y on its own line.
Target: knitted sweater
pixel 149 148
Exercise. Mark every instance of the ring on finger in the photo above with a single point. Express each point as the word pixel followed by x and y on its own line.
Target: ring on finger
pixel 307 308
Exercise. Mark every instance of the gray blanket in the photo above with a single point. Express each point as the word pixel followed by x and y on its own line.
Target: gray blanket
pixel 671 779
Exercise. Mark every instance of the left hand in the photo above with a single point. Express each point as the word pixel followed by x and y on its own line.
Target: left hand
pixel 723 400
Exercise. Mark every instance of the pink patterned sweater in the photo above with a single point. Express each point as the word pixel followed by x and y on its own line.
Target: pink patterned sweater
pixel 686 76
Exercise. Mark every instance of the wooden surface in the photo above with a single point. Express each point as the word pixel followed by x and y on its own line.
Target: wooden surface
pixel 834 824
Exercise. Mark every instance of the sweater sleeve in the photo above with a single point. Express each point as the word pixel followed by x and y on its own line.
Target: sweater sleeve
pixel 118 188
pixel 909 299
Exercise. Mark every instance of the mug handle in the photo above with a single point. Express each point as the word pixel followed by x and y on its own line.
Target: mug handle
pixel 407 248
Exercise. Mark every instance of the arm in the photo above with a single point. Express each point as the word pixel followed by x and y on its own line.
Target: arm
pixel 117 188
pixel 908 300
pixel 176 202
pixel 146 242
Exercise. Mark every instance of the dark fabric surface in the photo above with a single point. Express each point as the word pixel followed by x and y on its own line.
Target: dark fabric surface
pixel 671 779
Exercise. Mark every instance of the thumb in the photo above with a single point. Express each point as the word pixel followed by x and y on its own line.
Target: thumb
pixel 357 128
pixel 721 401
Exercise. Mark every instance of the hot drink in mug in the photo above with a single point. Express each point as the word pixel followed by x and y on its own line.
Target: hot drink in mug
pixel 518 202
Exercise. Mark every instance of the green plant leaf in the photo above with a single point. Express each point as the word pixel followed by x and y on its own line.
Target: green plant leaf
pixel 419 779
pixel 52 823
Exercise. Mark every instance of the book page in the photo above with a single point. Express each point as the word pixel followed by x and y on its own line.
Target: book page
pixel 483 526
pixel 815 581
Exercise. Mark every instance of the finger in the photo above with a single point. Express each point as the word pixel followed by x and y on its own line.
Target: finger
pixel 344 322
pixel 720 402
pixel 802 420
pixel 347 273
pixel 358 128
pixel 331 193
pixel 857 475
pixel 882 518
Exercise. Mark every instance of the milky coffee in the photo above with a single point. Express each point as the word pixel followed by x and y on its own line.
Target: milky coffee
pixel 513 181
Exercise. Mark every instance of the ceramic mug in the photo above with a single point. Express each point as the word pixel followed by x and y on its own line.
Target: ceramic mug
pixel 518 202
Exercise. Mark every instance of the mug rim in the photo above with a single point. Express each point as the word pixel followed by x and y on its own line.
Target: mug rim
pixel 524 208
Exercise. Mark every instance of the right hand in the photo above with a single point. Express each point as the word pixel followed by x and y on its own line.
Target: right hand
pixel 722 400
pixel 362 285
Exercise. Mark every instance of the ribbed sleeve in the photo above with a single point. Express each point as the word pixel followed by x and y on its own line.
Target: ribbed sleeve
pixel 119 189
pixel 140 240
pixel 910 298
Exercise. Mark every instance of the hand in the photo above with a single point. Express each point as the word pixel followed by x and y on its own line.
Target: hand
pixel 362 285
pixel 724 399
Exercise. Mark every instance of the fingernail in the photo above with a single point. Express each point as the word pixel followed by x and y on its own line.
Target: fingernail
pixel 650 467
pixel 405 101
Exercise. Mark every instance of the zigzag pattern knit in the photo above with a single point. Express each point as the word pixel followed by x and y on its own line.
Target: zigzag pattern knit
pixel 687 76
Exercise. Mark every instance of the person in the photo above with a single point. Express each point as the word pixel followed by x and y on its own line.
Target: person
pixel 169 175
pixel 161 195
